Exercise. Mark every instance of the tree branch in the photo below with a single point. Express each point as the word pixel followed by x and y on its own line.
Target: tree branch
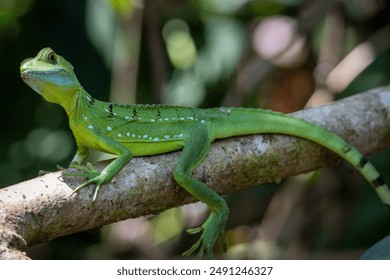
pixel 42 209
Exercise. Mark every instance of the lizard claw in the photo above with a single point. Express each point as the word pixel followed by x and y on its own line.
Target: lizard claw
pixel 44 172
pixel 59 167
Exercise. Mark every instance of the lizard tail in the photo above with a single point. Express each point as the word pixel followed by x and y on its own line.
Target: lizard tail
pixel 254 121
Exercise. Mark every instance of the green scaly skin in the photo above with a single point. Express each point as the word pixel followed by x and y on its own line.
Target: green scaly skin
pixel 140 130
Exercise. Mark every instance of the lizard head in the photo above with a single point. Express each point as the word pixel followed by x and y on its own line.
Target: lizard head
pixel 51 76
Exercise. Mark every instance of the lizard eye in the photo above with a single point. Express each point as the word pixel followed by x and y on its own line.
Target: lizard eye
pixel 52 57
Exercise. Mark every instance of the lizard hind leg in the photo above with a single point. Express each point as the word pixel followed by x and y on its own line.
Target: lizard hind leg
pixel 194 151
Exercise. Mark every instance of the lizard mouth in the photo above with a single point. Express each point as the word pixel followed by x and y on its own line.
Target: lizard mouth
pixel 25 76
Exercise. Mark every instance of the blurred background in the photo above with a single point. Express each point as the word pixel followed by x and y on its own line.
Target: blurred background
pixel 283 55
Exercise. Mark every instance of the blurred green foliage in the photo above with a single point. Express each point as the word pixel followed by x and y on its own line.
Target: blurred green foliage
pixel 270 53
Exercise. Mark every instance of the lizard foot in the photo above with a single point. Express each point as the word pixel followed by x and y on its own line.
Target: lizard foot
pixel 211 228
pixel 84 171
pixel 94 176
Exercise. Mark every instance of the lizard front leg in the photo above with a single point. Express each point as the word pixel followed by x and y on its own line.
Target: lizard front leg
pixel 100 178
pixel 81 155
pixel 194 151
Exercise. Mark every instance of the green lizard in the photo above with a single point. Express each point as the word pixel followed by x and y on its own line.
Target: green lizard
pixel 140 130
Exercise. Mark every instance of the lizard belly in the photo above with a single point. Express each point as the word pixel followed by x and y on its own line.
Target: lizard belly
pixel 143 148
pixel 138 147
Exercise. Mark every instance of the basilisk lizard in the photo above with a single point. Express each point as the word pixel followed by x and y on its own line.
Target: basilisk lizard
pixel 140 130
